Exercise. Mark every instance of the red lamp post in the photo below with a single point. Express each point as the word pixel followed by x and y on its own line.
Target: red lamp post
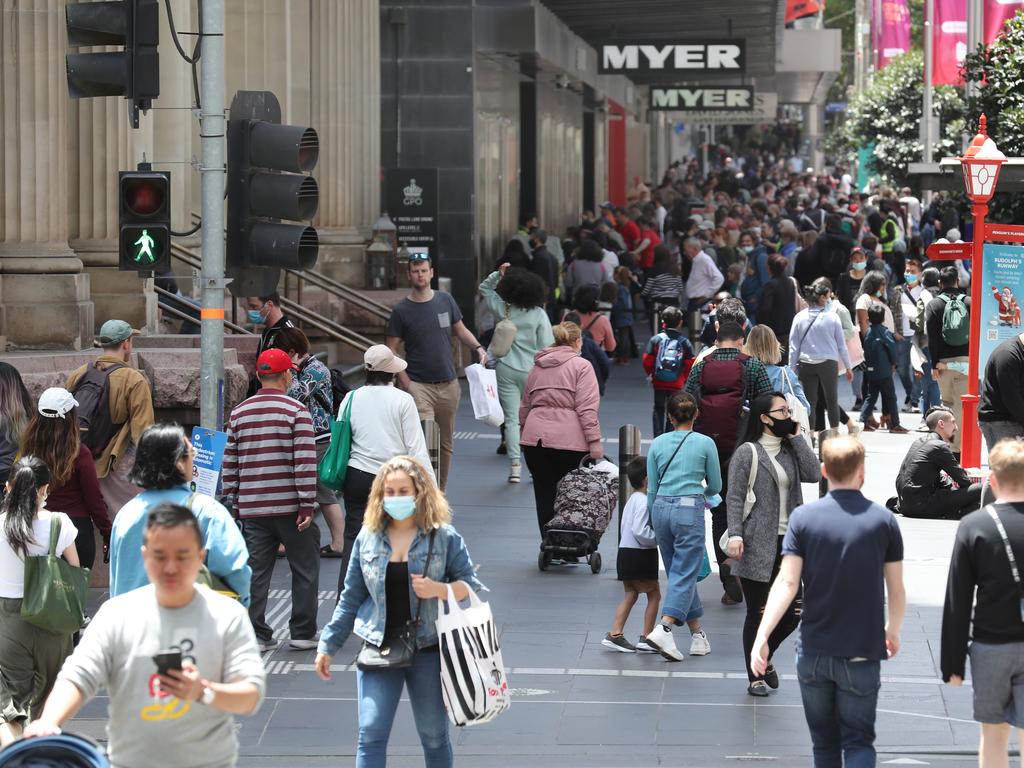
pixel 981 164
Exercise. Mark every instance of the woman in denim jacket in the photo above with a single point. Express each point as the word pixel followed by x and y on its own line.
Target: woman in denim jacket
pixel 385 586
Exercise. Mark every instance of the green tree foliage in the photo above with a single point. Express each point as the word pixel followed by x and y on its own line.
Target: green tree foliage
pixel 999 74
pixel 888 114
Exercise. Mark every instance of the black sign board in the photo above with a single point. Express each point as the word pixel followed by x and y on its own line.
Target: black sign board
pixel 672 56
pixel 702 98
pixel 411 202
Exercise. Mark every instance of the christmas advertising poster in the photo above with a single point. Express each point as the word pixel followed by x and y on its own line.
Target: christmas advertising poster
pixel 1002 293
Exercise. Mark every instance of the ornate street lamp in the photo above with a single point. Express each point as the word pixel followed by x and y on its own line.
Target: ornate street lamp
pixel 981 164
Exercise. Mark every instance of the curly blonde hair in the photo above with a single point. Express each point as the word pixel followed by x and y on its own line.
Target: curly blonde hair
pixel 432 510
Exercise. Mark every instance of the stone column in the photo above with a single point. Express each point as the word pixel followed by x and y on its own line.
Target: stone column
pixel 44 294
pixel 345 101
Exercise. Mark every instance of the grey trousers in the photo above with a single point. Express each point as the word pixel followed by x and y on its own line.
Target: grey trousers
pixel 302 548
pixel 825 375
pixel 994 431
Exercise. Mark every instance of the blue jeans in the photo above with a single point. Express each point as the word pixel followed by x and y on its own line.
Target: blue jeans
pixel 379 693
pixel 904 369
pixel 930 395
pixel 679 527
pixel 840 698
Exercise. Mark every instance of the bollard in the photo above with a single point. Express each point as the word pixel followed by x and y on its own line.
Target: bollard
pixel 629 449
pixel 825 434
pixel 432 436
pixel 696 325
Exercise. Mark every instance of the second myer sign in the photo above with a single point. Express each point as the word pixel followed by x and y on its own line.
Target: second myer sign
pixel 716 55
pixel 693 99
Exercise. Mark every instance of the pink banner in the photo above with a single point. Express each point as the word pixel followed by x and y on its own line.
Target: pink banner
pixel 996 12
pixel 891 29
pixel 949 40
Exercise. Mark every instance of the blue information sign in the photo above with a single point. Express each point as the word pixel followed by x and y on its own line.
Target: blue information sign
pixel 209 447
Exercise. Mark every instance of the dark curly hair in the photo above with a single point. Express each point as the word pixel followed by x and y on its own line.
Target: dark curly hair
pixel 584 299
pixel 522 289
pixel 160 449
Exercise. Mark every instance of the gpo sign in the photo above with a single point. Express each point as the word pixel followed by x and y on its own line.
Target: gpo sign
pixel 717 55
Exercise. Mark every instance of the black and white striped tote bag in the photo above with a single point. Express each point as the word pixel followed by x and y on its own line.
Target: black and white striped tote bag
pixel 473 682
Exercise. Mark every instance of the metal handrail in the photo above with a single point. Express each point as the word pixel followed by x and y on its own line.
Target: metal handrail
pixel 332 329
pixel 161 292
pixel 329 284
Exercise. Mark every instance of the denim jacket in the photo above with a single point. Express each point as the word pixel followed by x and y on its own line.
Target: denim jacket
pixel 363 602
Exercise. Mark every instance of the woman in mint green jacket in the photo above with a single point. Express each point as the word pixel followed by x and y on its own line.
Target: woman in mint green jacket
pixel 520 296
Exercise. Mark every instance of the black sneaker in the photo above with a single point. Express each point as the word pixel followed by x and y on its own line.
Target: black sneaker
pixel 618 643
pixel 758 688
pixel 771 677
pixel 502 449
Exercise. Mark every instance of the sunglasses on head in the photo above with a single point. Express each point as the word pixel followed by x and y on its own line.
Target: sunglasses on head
pixel 419 257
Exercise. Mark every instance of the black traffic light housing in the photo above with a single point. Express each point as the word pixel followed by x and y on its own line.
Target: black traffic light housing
pixel 267 188
pixel 145 221
pixel 134 72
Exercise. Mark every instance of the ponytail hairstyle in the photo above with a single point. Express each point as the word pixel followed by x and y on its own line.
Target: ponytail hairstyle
pixel 28 475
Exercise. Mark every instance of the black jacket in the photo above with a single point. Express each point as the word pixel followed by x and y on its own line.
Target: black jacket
pixel 1002 390
pixel 979 560
pixel 777 307
pixel 831 254
pixel 937 346
pixel 919 477
pixel 544 266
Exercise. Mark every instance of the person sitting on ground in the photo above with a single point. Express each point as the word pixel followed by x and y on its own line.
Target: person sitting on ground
pixel 667 362
pixel 923 491
pixel 987 626
pixel 637 563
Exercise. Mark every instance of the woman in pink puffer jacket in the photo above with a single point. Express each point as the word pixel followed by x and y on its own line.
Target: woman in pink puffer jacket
pixel 558 416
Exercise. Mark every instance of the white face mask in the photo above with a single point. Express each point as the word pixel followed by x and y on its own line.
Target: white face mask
pixel 747 248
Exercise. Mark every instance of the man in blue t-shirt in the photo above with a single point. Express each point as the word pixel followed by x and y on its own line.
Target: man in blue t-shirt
pixel 849 552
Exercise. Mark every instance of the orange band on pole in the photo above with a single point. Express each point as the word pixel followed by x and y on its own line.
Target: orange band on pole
pixel 211 314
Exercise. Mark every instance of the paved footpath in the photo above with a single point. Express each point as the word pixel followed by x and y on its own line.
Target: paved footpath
pixel 576 702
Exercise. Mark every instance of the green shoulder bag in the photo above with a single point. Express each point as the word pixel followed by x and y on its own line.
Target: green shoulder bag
pixel 334 465
pixel 55 590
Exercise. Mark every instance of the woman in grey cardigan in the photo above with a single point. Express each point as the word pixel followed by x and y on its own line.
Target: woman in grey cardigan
pixel 757 521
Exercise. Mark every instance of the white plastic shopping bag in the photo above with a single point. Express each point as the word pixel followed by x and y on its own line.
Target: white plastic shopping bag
pixel 473 682
pixel 483 391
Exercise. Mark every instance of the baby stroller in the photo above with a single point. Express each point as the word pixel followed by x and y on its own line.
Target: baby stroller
pixel 65 750
pixel 584 502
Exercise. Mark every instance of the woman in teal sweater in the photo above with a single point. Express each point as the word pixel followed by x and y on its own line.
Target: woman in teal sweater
pixel 682 470
pixel 519 296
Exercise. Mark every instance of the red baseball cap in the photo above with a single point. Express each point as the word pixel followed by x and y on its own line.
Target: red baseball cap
pixel 273 361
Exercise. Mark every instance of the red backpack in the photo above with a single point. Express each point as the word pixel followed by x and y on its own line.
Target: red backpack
pixel 721 401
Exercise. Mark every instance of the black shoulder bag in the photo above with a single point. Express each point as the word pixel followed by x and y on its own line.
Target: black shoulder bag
pixel 400 651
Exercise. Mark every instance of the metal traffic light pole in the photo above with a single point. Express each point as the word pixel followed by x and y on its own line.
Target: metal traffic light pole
pixel 212 124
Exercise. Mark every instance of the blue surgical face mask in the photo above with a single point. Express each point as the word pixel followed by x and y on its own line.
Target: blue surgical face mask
pixel 859 265
pixel 255 317
pixel 880 294
pixel 910 277
pixel 828 305
pixel 400 507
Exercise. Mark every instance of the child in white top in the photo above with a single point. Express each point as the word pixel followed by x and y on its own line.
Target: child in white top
pixel 637 563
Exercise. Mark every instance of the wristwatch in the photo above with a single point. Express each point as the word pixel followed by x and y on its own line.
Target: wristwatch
pixel 208 696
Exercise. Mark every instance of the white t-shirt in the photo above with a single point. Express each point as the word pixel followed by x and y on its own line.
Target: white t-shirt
pixel 636 528
pixel 610 262
pixel 866 301
pixel 385 424
pixel 909 306
pixel 12 566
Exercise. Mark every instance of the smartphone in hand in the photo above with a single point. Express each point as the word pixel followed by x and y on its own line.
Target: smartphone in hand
pixel 168 659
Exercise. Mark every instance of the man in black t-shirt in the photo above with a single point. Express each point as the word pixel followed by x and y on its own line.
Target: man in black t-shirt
pixel 848 552
pixel 988 543
pixel 1001 411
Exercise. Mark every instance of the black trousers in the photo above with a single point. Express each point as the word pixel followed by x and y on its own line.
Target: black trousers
pixel 755 595
pixel 945 504
pixel 660 423
pixel 355 493
pixel 548 466
pixel 302 548
pixel 720 521
pixel 85 541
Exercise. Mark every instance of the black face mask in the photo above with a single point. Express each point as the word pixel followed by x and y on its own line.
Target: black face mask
pixel 783 427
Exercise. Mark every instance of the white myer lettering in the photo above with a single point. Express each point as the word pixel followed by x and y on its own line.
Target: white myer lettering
pixel 690 57
pixel 664 98
pixel 621 57
pixel 723 56
pixel 736 98
pixel 657 57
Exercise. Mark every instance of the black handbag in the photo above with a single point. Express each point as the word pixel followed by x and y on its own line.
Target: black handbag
pixel 396 652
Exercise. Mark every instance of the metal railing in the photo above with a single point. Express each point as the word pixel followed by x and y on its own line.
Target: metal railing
pixel 188 311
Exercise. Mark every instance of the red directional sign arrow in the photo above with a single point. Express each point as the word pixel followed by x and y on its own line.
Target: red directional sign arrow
pixel 949 251
pixel 1004 233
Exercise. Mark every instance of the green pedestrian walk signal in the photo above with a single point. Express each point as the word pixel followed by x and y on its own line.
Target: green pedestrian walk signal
pixel 145 219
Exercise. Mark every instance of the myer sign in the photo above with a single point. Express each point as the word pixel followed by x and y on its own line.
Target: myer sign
pixel 689 99
pixel 713 55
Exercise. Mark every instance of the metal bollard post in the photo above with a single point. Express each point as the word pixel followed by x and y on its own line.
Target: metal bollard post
pixel 696 325
pixel 629 449
pixel 432 436
pixel 825 434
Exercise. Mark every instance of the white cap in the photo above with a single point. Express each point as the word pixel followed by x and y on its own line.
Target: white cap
pixel 380 358
pixel 56 402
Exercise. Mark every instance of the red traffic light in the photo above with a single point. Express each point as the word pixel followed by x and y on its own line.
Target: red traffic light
pixel 143 197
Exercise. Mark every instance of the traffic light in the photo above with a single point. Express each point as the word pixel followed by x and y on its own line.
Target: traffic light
pixel 267 188
pixel 145 219
pixel 134 72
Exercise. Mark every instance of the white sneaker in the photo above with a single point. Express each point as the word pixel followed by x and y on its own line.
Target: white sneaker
pixel 853 428
pixel 515 472
pixel 699 644
pixel 662 639
pixel 306 645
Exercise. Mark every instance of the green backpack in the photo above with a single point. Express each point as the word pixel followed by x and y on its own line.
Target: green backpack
pixel 956 326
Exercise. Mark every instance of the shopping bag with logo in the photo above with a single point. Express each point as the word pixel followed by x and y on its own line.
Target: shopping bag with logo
pixel 483 391
pixel 334 465
pixel 55 590
pixel 473 682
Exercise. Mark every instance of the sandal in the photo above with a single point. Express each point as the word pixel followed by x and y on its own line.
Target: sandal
pixel 326 551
